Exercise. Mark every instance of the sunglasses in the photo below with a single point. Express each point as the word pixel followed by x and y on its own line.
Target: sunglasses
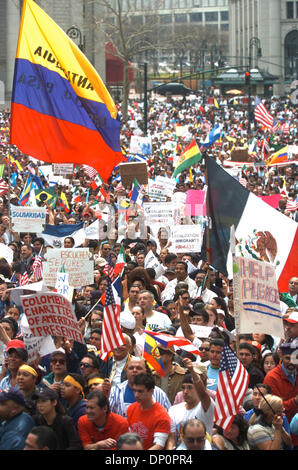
pixel 58 361
pixel 85 365
pixel 204 349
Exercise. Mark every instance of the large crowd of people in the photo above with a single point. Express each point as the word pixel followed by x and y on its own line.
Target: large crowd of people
pixel 74 399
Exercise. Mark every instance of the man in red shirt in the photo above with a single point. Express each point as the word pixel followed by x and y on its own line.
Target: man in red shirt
pixel 146 417
pixel 99 429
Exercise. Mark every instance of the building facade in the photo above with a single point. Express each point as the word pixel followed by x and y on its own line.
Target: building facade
pixel 66 13
pixel 264 34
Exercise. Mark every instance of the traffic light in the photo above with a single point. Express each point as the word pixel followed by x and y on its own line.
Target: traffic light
pixel 247 78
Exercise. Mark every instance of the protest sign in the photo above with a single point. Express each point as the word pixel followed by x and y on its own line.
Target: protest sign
pixel 257 297
pixel 195 203
pixel 36 346
pixel 158 213
pixel 50 313
pixel 28 219
pixel 186 238
pixel 140 145
pixel 63 287
pixel 152 262
pixel 168 184
pixel 130 171
pixel 156 191
pixel 63 169
pixel 200 331
pixel 76 262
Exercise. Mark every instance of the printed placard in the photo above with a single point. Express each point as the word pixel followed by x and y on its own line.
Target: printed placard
pixel 28 219
pixel 186 238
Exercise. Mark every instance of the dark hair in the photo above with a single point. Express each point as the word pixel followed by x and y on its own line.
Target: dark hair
pixel 217 342
pixel 13 324
pixel 170 257
pixel 187 379
pixel 201 313
pixel 144 379
pixel 95 361
pixel 71 239
pixel 242 426
pixel 46 437
pixel 128 438
pixel 262 385
pixel 101 399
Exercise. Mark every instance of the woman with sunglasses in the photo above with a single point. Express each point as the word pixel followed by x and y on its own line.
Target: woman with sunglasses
pixel 58 371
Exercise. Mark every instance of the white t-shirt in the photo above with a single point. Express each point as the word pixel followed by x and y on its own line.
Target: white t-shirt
pixel 179 415
pixel 158 320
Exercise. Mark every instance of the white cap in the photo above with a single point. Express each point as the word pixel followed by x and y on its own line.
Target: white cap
pixel 127 320
pixel 220 312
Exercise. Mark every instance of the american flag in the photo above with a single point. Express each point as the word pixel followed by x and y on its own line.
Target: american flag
pixel 285 128
pixel 3 187
pixel 108 270
pixel 24 278
pixel 91 172
pixel 262 115
pixel 292 206
pixel 167 340
pixel 232 384
pixel 111 337
pixel 37 268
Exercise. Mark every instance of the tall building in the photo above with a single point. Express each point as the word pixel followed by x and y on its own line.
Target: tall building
pixel 264 33
pixel 66 13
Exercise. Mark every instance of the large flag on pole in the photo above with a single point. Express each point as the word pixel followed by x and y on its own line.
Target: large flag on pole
pixel 61 109
pixel 261 232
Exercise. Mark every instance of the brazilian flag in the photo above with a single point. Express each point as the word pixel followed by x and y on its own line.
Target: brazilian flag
pixel 48 196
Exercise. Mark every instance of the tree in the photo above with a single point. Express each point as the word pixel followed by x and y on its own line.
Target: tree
pixel 131 34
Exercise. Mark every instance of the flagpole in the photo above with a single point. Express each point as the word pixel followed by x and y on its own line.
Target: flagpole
pixel 235 286
pixel 207 222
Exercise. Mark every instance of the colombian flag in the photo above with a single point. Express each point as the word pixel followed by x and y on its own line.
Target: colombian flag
pixel 281 155
pixel 61 111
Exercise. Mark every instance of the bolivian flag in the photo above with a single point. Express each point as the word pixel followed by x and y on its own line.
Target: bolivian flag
pixel 189 157
pixel 61 111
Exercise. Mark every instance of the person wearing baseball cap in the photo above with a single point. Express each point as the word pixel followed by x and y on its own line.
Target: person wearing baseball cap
pixel 16 355
pixel 291 326
pixel 16 423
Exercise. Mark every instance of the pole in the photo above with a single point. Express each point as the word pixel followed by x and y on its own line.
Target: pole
pixel 208 222
pixel 145 99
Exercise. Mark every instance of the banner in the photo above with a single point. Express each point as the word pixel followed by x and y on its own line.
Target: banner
pixel 49 313
pixel 140 145
pixel 195 203
pixel 257 297
pixel 186 238
pixel 28 219
pixel 76 262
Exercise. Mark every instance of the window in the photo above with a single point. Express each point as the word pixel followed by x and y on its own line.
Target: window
pixel 165 19
pixel 180 18
pixel 211 16
pixel 224 16
pixel 196 17
pixel 290 10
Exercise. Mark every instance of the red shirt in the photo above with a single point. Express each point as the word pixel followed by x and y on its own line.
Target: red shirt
pixel 147 422
pixel 114 427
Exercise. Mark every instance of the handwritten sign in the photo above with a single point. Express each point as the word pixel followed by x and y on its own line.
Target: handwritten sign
pixel 257 297
pixel 76 263
pixel 49 313
pixel 63 169
pixel 28 219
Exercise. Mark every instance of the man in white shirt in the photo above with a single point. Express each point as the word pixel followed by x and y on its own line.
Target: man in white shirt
pixel 154 319
pixel 181 273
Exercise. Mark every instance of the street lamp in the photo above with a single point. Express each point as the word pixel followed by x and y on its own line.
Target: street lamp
pixel 75 33
pixel 254 41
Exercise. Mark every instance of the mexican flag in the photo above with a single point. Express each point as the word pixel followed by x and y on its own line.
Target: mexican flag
pixel 120 262
pixel 261 232
pixel 189 157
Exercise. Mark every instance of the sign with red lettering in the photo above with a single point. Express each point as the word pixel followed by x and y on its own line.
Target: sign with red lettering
pixel 50 313
pixel 256 297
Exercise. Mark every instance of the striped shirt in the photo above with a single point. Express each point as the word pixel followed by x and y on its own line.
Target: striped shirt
pixel 119 406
